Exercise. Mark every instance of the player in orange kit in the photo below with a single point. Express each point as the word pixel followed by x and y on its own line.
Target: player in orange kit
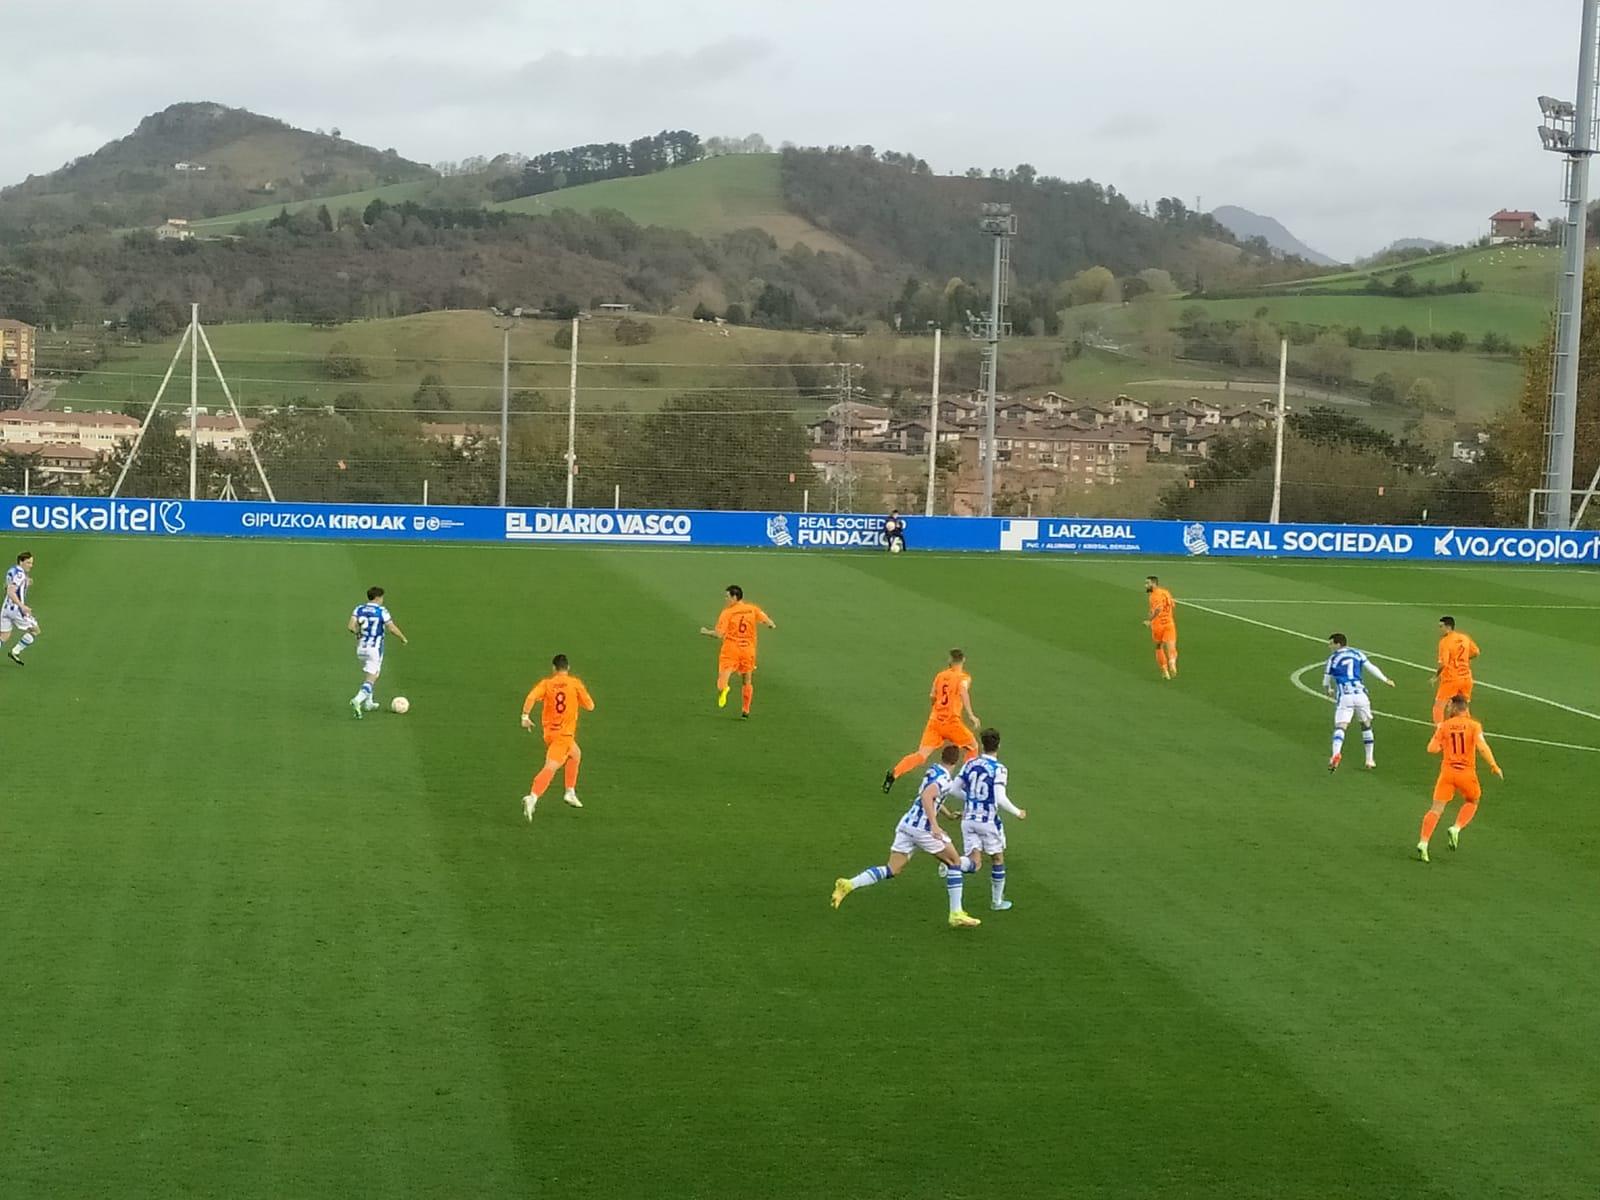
pixel 1459 740
pixel 562 695
pixel 1454 674
pixel 951 693
pixel 1163 627
pixel 737 626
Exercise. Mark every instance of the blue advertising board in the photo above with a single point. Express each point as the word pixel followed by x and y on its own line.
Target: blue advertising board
pixel 788 530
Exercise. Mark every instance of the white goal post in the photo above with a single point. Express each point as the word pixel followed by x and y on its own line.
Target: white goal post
pixel 1584 513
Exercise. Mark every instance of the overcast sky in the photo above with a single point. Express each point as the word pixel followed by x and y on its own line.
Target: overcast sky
pixel 1352 121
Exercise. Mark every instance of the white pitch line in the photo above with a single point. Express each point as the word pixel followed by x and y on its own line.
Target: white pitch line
pixel 1295 678
pixel 1404 662
pixel 1463 607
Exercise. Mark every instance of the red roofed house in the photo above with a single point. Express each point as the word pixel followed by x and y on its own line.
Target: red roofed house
pixel 1511 225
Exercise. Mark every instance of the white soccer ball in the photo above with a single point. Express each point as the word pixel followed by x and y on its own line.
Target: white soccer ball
pixel 896 546
pixel 400 705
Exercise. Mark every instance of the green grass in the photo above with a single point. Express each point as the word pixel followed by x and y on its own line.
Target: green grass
pixel 716 195
pixel 275 363
pixel 256 948
pixel 394 193
pixel 1518 317
pixel 1514 268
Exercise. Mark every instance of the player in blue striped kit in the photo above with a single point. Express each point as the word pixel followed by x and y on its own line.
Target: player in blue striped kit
pixel 15 612
pixel 370 622
pixel 983 782
pixel 919 830
pixel 1342 679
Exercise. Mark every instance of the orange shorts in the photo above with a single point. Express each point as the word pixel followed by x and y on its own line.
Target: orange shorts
pixel 937 732
pixel 1453 783
pixel 1449 691
pixel 558 747
pixel 1164 632
pixel 740 662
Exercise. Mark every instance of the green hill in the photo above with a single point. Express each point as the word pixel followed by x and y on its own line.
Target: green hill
pixel 394 193
pixel 197 160
pixel 1514 300
pixel 715 195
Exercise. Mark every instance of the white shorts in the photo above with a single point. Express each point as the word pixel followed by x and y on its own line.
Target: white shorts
pixel 16 619
pixel 980 835
pixel 1358 707
pixel 908 841
pixel 371 659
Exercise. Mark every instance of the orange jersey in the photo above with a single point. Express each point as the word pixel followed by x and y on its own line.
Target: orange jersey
pixel 1161 605
pixel 1456 652
pixel 563 696
pixel 1460 740
pixel 738 624
pixel 947 690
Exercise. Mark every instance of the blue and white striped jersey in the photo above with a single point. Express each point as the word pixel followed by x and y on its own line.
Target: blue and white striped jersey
pixel 16 578
pixel 940 776
pixel 1344 669
pixel 983 780
pixel 372 621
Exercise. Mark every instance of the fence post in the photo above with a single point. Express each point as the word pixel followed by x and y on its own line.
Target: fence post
pixel 424 492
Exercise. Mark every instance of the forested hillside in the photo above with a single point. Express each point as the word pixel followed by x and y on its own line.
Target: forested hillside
pixel 194 160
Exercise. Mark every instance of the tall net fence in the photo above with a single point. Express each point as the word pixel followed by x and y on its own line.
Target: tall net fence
pixel 701 417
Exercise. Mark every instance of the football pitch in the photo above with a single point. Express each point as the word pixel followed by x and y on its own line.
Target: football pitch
pixel 253 947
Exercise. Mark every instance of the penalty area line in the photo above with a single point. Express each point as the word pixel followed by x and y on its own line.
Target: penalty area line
pixel 1404 662
pixel 1298 679
pixel 1465 606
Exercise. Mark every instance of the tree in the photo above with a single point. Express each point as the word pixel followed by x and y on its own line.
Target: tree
pixel 722 456
pixel 1092 285
pixel 341 363
pixel 431 394
pixel 704 312
pixel 1331 358
pixel 634 333
pixel 1254 343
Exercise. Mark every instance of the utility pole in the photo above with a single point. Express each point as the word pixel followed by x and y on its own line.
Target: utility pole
pixel 572 414
pixel 933 425
pixel 1000 223
pixel 505 405
pixel 1277 449
pixel 1569 131
pixel 194 395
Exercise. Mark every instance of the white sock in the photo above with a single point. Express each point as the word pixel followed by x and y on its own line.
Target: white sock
pixel 952 885
pixel 1338 742
pixel 1367 740
pixel 997 883
pixel 871 876
pixel 27 640
pixel 364 696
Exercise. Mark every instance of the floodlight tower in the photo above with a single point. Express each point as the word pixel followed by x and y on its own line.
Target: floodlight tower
pixel 1569 131
pixel 1000 223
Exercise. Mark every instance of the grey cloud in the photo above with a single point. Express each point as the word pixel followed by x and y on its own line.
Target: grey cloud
pixel 1266 156
pixel 1133 124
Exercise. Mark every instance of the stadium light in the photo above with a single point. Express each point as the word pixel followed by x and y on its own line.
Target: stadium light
pixel 1569 130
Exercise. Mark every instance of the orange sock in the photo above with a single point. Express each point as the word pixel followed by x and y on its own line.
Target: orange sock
pixel 542 780
pixel 745 694
pixel 909 763
pixel 1429 822
pixel 1469 809
pixel 570 775
pixel 1161 658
